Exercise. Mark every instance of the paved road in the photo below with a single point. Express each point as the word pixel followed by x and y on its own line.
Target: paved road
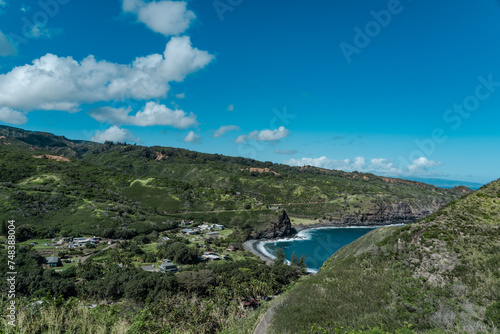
pixel 150 268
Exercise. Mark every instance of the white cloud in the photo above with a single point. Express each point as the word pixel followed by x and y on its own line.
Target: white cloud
pixel 6 47
pixel 419 167
pixel 422 165
pixel 165 17
pixel 192 138
pixel 180 96
pixel 264 135
pixel 114 134
pixel 62 83
pixel 40 30
pixel 152 114
pixel 285 152
pixel 11 116
pixel 230 107
pixel 224 129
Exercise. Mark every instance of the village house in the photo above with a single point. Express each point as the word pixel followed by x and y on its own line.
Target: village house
pixel 52 261
pixel 205 227
pixel 194 232
pixel 168 266
pixel 210 256
pixel 185 223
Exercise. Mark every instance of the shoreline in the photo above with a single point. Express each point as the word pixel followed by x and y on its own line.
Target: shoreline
pixel 252 244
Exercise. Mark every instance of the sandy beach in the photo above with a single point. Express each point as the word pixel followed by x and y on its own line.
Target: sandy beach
pixel 251 246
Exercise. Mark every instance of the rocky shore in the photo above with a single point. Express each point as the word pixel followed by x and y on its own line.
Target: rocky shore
pixel 282 229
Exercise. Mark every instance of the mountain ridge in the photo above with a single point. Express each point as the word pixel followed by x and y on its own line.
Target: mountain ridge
pixel 144 188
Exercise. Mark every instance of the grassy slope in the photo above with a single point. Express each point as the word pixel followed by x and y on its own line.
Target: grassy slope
pixel 108 187
pixel 440 273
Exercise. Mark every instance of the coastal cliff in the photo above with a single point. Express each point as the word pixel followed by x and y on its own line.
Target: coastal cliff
pixel 385 214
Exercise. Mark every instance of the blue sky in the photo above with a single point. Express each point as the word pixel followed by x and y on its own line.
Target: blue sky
pixel 399 88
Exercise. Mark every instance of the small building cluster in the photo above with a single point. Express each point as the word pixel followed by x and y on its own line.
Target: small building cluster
pixel 208 227
pixel 82 242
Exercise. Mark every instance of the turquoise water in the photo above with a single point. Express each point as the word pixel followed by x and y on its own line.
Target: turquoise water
pixel 317 245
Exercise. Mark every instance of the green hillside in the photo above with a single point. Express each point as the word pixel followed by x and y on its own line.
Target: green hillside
pixel 441 274
pixel 54 186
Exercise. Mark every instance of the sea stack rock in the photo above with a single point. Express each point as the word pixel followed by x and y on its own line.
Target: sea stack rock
pixel 280 228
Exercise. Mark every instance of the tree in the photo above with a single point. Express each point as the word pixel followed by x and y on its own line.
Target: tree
pixel 302 262
pixel 295 260
pixel 280 256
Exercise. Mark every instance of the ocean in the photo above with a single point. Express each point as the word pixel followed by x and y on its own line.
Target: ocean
pixel 316 244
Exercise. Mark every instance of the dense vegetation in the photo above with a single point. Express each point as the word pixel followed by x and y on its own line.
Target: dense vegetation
pixel 54 186
pixel 201 298
pixel 439 275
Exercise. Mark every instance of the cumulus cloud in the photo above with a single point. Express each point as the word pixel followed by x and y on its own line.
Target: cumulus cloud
pixel 62 83
pixel 6 47
pixel 11 116
pixel 114 134
pixel 224 129
pixel 264 135
pixel 419 167
pixel 180 95
pixel 165 17
pixel 152 114
pixel 192 138
pixel 285 152
pixel 422 165
pixel 230 107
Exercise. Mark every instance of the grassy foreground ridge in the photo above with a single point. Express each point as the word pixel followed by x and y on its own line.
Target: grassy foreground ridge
pixel 440 275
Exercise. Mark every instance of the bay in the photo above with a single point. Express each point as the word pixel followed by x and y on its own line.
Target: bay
pixel 316 245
